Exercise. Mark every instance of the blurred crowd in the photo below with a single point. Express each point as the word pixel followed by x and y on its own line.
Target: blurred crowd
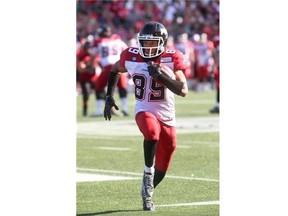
pixel 126 17
pixel 193 28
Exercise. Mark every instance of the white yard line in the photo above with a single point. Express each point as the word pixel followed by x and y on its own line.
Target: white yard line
pixel 129 127
pixel 192 178
pixel 85 177
pixel 113 148
pixel 214 202
pixel 194 101
pixel 140 174
pixel 183 146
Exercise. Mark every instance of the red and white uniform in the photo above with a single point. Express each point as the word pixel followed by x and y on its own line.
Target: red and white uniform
pixel 188 50
pixel 83 56
pixel 150 96
pixel 216 42
pixel 108 49
pixel 204 58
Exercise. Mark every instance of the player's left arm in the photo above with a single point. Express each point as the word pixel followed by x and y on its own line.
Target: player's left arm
pixel 181 78
pixel 177 86
pixel 179 66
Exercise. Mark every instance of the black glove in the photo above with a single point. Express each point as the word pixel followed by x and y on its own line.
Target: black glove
pixel 109 103
pixel 154 70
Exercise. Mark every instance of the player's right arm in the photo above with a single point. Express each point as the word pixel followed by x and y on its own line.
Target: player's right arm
pixel 112 82
pixel 114 77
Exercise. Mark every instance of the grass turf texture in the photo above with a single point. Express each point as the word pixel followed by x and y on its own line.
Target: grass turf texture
pixel 197 155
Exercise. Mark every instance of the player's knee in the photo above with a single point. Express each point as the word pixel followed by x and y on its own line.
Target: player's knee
pixel 152 136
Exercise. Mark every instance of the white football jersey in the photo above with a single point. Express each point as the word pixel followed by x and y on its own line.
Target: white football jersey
pixel 151 96
pixel 109 49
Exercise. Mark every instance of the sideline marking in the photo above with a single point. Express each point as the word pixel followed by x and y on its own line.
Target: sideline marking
pixel 183 146
pixel 129 127
pixel 214 202
pixel 85 177
pixel 141 174
pixel 113 148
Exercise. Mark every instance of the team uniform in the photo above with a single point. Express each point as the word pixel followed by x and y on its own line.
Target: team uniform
pixel 216 72
pixel 108 49
pixel 86 76
pixel 205 62
pixel 156 99
pixel 157 74
pixel 187 48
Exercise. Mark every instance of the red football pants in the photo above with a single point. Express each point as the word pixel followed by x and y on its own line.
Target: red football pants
pixel 152 129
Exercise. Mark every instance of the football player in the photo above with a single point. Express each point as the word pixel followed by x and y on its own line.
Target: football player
pixel 204 49
pixel 216 73
pixel 184 45
pixel 154 92
pixel 86 76
pixel 108 47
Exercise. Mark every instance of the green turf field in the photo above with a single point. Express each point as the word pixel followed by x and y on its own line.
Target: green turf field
pixel 113 149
